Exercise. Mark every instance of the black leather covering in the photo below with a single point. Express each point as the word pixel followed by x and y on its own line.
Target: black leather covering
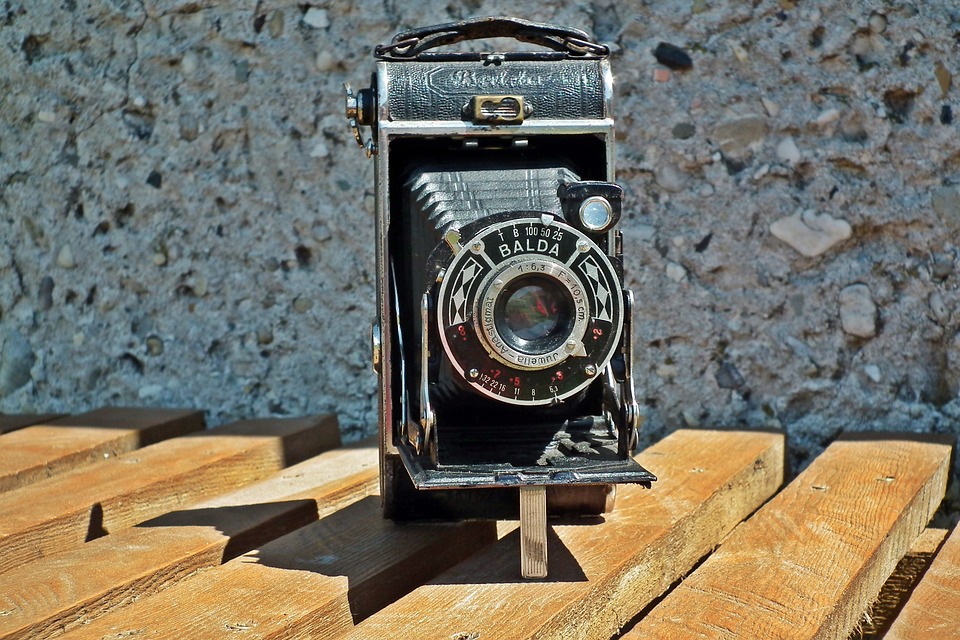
pixel 559 89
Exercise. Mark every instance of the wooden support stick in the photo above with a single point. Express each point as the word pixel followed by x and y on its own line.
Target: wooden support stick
pixel 602 573
pixel 533 532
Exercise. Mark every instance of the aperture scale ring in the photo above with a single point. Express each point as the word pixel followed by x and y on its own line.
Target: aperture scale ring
pixel 504 250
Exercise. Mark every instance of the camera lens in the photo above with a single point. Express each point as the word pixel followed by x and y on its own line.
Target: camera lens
pixel 533 314
pixel 529 309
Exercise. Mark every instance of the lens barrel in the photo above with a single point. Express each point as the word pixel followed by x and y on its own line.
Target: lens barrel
pixel 529 310
pixel 534 313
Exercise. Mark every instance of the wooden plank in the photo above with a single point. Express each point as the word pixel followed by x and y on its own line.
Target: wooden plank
pixel 933 611
pixel 52 595
pixel 876 622
pixel 810 562
pixel 601 574
pixel 317 578
pixel 10 422
pixel 41 451
pixel 63 512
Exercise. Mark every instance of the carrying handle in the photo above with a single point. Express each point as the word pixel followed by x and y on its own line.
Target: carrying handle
pixel 410 44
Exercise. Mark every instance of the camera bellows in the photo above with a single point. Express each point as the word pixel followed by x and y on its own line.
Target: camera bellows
pixel 456 197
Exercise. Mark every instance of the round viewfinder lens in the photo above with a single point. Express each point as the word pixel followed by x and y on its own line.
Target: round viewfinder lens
pixel 596 213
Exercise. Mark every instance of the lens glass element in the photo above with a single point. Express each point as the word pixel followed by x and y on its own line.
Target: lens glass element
pixel 534 314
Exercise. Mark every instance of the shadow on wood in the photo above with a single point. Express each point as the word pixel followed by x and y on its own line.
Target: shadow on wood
pixel 63 512
pixel 314 582
pixel 331 546
pixel 245 526
pixel 562 565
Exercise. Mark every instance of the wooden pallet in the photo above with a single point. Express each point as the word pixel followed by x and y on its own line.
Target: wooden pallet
pixel 270 529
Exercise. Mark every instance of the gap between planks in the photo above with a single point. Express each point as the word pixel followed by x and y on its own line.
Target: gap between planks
pixel 12 422
pixel 812 559
pixel 65 511
pixel 36 452
pixel 601 574
pixel 933 609
pixel 52 595
pixel 876 621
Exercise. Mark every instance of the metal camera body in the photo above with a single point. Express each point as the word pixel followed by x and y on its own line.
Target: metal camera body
pixel 503 338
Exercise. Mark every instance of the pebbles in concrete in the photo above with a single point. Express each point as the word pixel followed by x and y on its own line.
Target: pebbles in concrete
pixel 738 136
pixel 809 233
pixel 946 202
pixel 858 312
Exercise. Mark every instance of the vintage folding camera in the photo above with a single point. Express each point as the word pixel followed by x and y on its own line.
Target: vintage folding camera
pixel 503 339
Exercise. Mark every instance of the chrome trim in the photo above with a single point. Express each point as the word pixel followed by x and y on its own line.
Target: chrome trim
pixel 427 417
pixel 426 128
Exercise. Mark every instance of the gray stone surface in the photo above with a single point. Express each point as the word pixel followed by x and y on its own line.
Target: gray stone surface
pixel 16 360
pixel 185 219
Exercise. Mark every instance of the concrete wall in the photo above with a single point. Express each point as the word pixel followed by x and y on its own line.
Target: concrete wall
pixel 185 219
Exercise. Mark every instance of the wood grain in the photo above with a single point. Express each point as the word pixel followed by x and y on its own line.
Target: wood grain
pixel 10 422
pixel 318 578
pixel 601 574
pixel 933 611
pixel 62 512
pixel 52 595
pixel 810 562
pixel 41 451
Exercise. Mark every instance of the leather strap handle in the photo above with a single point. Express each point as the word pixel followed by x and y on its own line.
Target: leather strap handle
pixel 409 44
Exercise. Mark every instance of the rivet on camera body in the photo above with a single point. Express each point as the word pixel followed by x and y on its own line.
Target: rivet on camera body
pixel 503 337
